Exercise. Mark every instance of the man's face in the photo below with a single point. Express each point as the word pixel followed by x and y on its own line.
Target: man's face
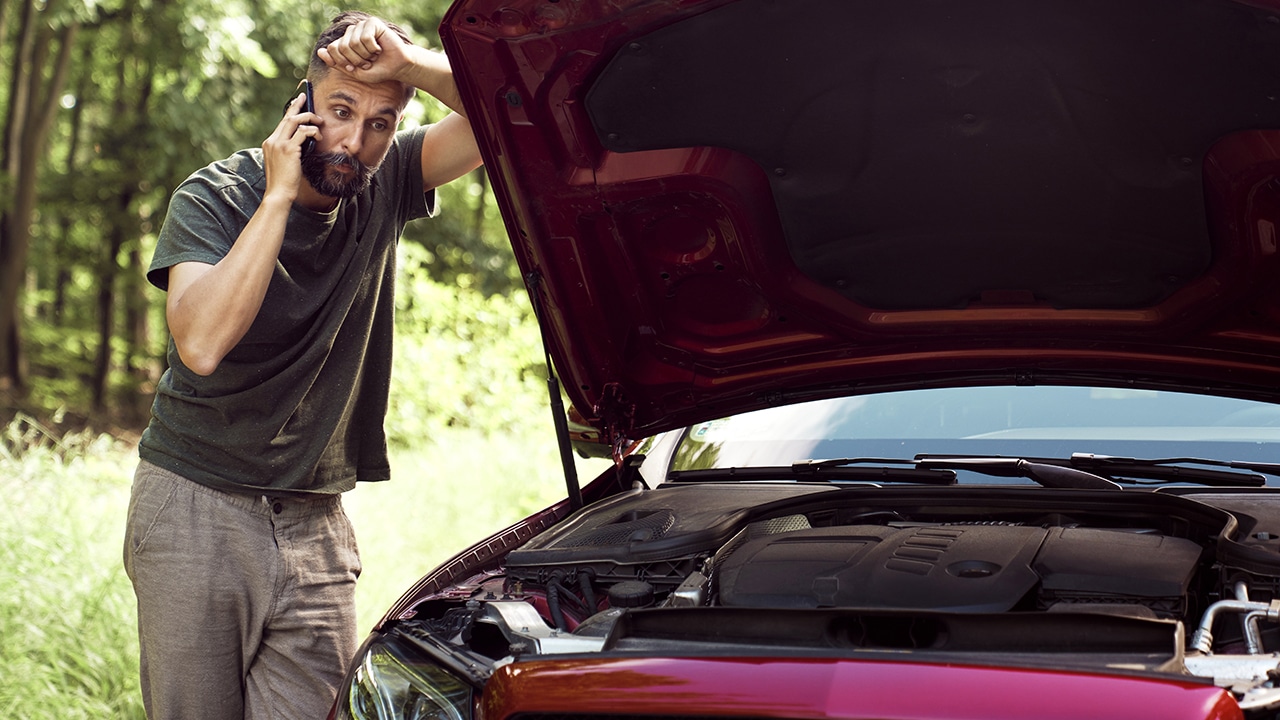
pixel 358 123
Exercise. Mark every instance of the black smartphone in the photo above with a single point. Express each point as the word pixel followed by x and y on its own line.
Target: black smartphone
pixel 309 105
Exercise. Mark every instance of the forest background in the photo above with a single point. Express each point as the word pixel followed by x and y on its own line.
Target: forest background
pixel 106 106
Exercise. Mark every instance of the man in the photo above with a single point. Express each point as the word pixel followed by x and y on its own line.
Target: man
pixel 279 270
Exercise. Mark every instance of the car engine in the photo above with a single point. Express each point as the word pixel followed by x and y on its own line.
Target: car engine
pixel 1134 581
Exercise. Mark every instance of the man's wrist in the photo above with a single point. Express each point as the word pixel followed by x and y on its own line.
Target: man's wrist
pixel 429 71
pixel 276 200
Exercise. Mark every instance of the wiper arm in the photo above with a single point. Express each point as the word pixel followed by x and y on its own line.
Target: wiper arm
pixel 1045 473
pixel 1085 471
pixel 834 470
pixel 1109 467
pixel 1172 470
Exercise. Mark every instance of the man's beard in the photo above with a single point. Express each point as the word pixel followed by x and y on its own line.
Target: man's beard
pixel 315 167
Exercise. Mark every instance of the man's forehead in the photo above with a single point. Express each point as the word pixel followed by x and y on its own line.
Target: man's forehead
pixel 385 97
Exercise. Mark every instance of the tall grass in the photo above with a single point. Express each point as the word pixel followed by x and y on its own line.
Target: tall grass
pixel 68 644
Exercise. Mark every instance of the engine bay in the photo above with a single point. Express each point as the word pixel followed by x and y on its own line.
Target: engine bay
pixel 1163 582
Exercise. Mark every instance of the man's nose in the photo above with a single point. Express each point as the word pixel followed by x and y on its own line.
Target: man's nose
pixel 353 141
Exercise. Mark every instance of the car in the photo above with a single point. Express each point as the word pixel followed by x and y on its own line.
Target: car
pixel 936 346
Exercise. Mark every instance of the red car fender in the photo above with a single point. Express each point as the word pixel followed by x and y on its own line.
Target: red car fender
pixel 839 688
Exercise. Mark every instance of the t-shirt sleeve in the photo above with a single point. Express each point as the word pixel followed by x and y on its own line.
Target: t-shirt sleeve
pixel 419 203
pixel 194 230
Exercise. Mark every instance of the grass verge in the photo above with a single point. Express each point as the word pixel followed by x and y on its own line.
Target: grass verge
pixel 67 616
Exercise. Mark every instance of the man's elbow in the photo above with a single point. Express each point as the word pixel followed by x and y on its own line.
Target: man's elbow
pixel 201 362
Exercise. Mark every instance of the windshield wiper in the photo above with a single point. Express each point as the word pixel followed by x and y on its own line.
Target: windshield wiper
pixel 1083 471
pixel 837 470
pixel 1174 470
pixel 1108 468
pixel 1048 474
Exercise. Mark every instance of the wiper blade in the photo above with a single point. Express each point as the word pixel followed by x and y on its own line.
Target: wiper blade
pixel 1174 470
pixel 1048 474
pixel 834 470
pixel 1085 471
pixel 1110 468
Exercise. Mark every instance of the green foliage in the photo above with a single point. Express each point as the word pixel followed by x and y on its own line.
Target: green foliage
pixel 463 359
pixel 71 349
pixel 67 614
pixel 466 245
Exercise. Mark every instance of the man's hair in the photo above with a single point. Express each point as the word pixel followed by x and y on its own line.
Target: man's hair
pixel 316 69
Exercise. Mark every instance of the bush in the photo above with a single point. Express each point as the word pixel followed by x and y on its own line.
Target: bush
pixel 462 359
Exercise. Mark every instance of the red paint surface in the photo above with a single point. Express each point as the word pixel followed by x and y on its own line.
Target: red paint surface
pixel 840 689
pixel 658 318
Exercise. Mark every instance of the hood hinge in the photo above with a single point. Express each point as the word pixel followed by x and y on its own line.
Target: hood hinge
pixel 617 419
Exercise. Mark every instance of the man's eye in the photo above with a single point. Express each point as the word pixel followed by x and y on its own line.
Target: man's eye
pixel 379 126
pixel 341 113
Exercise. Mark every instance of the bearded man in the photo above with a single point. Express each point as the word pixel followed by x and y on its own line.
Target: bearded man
pixel 279 271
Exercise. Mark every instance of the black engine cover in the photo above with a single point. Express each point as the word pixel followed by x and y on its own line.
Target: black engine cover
pixel 955 568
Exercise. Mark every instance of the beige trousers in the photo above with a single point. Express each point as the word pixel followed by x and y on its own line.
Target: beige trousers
pixel 246 604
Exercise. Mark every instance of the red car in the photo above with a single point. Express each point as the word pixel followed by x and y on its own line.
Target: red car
pixel 937 345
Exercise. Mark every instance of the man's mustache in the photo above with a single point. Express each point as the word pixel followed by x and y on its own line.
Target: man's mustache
pixel 338 159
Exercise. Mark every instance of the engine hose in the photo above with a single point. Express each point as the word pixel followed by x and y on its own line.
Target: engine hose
pixel 588 593
pixel 553 606
pixel 567 597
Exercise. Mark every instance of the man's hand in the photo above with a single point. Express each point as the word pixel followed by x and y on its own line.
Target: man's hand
pixel 282 150
pixel 370 52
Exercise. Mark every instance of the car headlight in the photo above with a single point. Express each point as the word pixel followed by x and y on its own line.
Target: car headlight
pixel 392 682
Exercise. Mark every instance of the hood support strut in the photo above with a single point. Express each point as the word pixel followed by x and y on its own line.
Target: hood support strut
pixel 558 414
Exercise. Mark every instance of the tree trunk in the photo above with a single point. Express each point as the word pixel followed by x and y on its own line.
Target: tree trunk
pixel 107 312
pixel 482 178
pixel 142 368
pixel 131 104
pixel 14 237
pixel 62 274
pixel 4 28
pixel 33 104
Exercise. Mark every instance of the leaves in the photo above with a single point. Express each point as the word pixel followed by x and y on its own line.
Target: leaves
pixel 463 359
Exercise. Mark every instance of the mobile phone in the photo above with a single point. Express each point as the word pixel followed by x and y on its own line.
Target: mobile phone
pixel 309 105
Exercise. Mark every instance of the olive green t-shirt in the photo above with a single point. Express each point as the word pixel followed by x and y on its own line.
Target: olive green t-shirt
pixel 298 405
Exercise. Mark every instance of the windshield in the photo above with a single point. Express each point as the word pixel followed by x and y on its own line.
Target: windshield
pixel 1034 421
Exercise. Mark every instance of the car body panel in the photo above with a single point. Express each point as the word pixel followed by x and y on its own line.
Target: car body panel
pixel 848 689
pixel 727 205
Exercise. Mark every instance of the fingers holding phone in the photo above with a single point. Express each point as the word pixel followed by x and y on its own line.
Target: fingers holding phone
pixel 306 124
pixel 308 106
pixel 294 137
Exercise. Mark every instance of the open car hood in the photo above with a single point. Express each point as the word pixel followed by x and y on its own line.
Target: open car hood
pixel 721 205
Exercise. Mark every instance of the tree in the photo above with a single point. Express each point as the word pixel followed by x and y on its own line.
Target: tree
pixel 38 69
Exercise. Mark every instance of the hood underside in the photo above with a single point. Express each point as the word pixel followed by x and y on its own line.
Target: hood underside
pixel 722 205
